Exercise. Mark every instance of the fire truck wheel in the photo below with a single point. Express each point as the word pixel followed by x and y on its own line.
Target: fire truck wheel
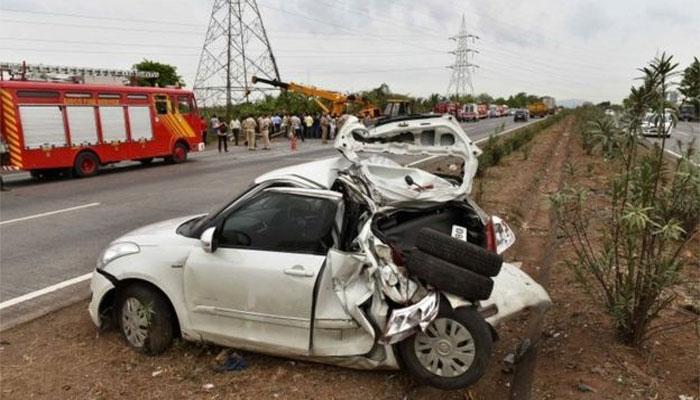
pixel 86 164
pixel 179 154
pixel 146 161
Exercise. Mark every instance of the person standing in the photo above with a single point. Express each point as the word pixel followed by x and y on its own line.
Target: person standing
pixel 214 125
pixel 325 123
pixel 276 123
pixel 308 123
pixel 235 130
pixel 265 123
pixel 204 127
pixel 296 127
pixel 331 123
pixel 249 126
pixel 222 134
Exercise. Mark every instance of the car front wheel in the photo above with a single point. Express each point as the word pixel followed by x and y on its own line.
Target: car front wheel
pixel 145 319
pixel 453 351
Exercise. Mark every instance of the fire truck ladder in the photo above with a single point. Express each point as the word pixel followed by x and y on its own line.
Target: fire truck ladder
pixel 22 69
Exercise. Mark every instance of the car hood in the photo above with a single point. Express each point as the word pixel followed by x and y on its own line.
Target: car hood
pixel 156 233
pixel 430 136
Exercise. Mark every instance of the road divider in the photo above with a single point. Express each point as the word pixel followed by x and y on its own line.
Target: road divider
pixel 44 291
pixel 46 214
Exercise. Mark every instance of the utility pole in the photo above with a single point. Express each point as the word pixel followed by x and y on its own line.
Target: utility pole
pixel 461 80
pixel 236 45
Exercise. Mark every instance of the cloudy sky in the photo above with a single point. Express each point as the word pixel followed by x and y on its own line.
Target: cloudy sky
pixel 567 49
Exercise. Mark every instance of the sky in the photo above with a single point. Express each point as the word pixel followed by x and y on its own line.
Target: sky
pixel 566 49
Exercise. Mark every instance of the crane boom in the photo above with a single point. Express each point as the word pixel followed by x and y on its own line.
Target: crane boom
pixel 338 100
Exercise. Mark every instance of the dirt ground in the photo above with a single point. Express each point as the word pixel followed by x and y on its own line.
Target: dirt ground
pixel 62 355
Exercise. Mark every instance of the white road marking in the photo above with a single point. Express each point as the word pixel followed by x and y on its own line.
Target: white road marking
pixel 46 290
pixel 9 221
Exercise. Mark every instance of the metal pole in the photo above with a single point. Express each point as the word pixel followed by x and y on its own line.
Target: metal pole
pixel 229 105
pixel 245 70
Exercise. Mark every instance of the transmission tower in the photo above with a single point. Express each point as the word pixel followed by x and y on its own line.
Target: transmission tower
pixel 461 79
pixel 236 47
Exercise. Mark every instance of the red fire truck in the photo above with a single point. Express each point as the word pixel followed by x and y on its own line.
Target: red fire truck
pixel 51 127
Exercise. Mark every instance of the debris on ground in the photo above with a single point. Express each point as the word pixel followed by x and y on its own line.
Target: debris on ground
pixel 233 362
pixel 582 387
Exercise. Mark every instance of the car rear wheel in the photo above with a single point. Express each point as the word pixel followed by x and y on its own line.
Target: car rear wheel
pixel 452 353
pixel 145 319
pixel 86 164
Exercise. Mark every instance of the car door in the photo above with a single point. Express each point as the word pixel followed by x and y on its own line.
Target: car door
pixel 255 290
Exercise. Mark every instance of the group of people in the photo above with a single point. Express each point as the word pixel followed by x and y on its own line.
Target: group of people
pixel 292 126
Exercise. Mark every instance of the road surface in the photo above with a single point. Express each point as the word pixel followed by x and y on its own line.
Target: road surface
pixel 682 136
pixel 52 232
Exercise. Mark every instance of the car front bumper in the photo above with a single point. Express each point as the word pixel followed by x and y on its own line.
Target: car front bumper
pixel 99 286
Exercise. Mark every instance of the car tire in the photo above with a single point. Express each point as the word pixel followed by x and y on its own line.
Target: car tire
pixel 146 319
pixel 448 277
pixel 452 353
pixel 459 253
pixel 86 165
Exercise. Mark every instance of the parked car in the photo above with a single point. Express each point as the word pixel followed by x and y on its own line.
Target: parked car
pixel 651 123
pixel 352 260
pixel 521 115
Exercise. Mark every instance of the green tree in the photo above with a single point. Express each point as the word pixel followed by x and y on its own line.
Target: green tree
pixel 690 84
pixel 167 74
pixel 484 98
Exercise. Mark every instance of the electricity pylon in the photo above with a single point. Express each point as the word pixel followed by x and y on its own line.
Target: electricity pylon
pixel 461 80
pixel 236 47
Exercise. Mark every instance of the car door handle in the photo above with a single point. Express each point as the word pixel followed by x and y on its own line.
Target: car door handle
pixel 298 270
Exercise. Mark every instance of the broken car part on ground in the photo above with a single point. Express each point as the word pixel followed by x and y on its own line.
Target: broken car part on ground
pixel 353 260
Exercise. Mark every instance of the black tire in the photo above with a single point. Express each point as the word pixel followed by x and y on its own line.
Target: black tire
pixel 448 277
pixel 86 164
pixel 459 253
pixel 467 318
pixel 159 329
pixel 179 154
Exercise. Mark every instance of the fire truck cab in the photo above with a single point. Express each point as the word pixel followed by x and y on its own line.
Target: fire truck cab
pixel 51 127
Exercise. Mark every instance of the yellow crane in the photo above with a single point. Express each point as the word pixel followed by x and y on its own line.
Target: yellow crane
pixel 330 101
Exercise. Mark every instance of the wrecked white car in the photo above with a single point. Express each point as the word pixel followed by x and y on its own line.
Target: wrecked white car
pixel 353 260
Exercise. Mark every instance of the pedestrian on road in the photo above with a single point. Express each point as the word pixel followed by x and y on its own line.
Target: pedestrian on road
pixel 249 126
pixel 325 123
pixel 265 124
pixel 235 129
pixel 296 127
pixel 222 134
pixel 276 123
pixel 332 124
pixel 214 125
pixel 308 123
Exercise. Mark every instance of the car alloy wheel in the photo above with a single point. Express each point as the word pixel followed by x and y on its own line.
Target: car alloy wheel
pixel 446 348
pixel 135 321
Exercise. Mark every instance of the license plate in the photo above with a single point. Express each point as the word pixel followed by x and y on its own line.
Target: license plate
pixel 459 233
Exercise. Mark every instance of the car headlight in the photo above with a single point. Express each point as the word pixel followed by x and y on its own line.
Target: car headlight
pixel 116 250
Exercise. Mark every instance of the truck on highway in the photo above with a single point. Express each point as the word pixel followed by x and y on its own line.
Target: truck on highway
pixel 537 109
pixel 687 112
pixel 483 111
pixel 468 112
pixel 51 128
pixel 550 103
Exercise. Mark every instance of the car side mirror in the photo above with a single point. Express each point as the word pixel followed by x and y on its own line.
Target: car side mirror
pixel 208 239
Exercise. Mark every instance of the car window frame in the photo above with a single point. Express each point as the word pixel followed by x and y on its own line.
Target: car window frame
pixel 323 194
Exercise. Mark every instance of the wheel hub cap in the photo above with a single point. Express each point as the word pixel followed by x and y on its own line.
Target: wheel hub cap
pixel 135 321
pixel 446 348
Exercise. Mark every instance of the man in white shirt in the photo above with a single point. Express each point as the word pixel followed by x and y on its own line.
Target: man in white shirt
pixel 235 129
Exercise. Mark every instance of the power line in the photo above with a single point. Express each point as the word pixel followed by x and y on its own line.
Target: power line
pixel 114 28
pixel 147 21
pixel 99 43
pixel 99 52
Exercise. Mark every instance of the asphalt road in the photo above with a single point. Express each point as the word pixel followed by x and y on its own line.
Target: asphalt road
pixel 53 231
pixel 682 136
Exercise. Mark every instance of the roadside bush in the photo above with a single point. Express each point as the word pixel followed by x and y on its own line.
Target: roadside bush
pixel 653 214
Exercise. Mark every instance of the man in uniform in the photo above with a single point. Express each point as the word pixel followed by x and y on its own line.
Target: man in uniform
pixel 265 123
pixel 249 126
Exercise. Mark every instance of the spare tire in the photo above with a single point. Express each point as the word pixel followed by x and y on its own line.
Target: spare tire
pixel 448 277
pixel 460 253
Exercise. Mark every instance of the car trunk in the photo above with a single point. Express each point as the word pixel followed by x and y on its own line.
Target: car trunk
pixel 399 227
